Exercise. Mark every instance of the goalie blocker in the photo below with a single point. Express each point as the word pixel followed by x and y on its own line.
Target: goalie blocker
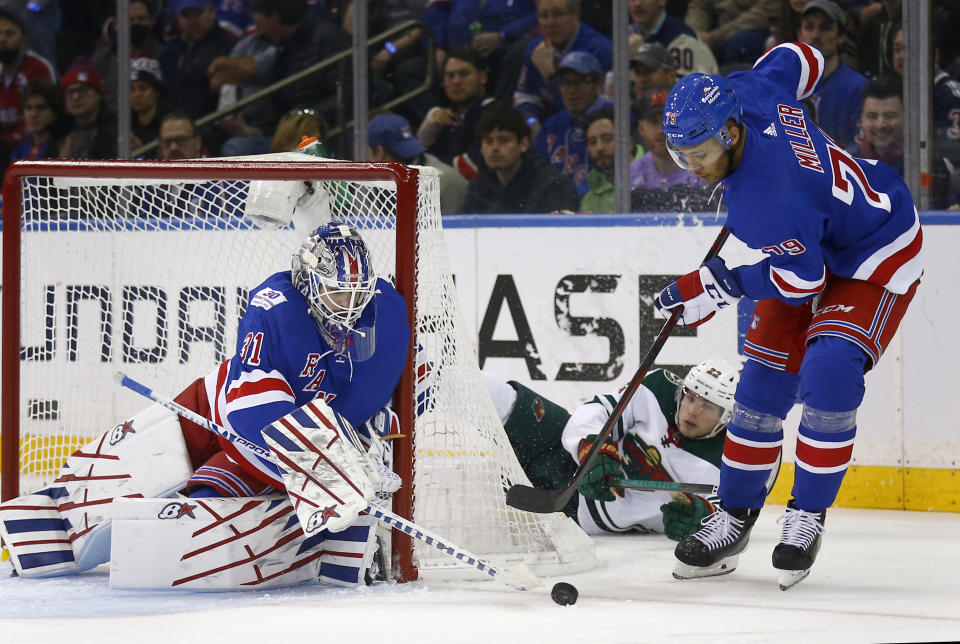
pixel 206 543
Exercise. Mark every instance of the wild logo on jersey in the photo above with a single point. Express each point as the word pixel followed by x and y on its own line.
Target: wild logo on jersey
pixel 642 461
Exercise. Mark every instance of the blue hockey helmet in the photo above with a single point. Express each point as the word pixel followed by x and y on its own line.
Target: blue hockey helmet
pixel 334 272
pixel 697 111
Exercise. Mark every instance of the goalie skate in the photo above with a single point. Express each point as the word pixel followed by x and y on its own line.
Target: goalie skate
pixel 715 549
pixel 799 544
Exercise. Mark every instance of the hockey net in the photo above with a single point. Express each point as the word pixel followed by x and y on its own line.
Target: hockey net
pixel 145 268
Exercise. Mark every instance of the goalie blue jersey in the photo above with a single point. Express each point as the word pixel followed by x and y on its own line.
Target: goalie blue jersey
pixel 282 362
pixel 805 202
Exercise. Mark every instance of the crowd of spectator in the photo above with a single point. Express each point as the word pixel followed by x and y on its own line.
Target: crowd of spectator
pixel 519 118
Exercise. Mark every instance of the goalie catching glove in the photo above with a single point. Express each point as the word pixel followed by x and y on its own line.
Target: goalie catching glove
pixel 682 516
pixel 702 293
pixel 599 482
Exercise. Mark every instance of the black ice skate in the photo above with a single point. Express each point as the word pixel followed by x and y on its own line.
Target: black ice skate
pixel 715 548
pixel 799 544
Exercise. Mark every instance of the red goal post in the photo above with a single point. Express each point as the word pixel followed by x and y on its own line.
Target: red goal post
pixel 79 235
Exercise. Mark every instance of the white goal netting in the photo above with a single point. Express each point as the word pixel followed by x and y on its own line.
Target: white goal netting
pixel 149 276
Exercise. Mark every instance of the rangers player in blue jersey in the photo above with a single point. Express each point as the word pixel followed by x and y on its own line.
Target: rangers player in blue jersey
pixel 844 256
pixel 326 338
pixel 327 329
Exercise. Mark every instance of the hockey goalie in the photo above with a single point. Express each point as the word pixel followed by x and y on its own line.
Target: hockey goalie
pixel 320 350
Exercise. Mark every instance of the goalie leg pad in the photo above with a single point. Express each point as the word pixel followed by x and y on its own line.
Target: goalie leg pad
pixel 34 535
pixel 329 480
pixel 348 554
pixel 210 544
pixel 142 456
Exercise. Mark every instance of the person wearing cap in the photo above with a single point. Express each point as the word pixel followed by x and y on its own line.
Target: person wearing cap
pixel 514 179
pixel 537 94
pixel 391 139
pixel 561 140
pixel 654 177
pixel 146 100
pixel 652 66
pixel 837 102
pixel 94 135
pixel 186 57
pixel 18 64
pixel 650 23
pixel 143 44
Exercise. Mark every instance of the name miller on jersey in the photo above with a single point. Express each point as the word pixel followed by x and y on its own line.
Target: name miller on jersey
pixel 795 126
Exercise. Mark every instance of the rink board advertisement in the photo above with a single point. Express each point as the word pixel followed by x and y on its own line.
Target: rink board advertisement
pixel 559 303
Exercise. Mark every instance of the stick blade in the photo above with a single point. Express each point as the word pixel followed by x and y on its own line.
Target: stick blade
pixel 519 577
pixel 531 499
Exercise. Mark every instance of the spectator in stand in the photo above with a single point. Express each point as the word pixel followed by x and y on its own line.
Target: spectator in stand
pixel 40 21
pixel 537 95
pixel 881 123
pixel 652 66
pixel 18 64
pixel 561 140
pixel 400 66
pixel 297 125
pixel 878 22
pixel 946 119
pixel 601 143
pixel 837 102
pixel 391 139
pixel 785 24
pixel 94 135
pixel 44 124
pixel 143 44
pixel 179 138
pixel 186 57
pixel 449 132
pixel 735 30
pixel 656 183
pixel 288 39
pixel 650 23
pixel 514 179
pixel 146 101
pixel 235 17
pixel 496 29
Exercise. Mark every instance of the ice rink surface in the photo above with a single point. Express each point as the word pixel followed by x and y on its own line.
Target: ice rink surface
pixel 881 576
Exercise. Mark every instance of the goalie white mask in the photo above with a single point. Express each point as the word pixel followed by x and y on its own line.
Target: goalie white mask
pixel 714 380
pixel 334 272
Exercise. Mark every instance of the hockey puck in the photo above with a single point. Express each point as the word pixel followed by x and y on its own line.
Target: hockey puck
pixel 564 594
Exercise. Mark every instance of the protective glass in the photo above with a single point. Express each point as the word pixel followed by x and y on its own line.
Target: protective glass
pixel 701 155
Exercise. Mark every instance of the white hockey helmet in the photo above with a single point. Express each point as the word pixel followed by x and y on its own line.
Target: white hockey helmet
pixel 715 380
pixel 334 271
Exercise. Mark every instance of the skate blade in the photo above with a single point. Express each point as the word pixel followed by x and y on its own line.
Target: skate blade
pixel 790 578
pixel 722 567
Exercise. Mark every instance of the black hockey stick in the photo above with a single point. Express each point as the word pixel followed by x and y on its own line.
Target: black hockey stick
pixel 531 499
pixel 665 486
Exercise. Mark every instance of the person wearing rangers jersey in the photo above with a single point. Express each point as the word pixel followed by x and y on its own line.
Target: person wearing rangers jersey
pixel 328 329
pixel 844 257
pixel 671 430
pixel 18 64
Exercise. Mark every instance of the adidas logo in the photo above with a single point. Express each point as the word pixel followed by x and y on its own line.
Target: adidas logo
pixel 771 130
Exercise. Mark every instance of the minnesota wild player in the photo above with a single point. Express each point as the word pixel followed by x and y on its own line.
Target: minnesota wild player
pixel 672 430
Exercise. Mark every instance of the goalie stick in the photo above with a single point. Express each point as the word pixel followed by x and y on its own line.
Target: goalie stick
pixel 531 499
pixel 518 577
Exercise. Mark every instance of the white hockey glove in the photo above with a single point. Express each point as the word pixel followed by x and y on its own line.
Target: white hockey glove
pixel 383 428
pixel 702 293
